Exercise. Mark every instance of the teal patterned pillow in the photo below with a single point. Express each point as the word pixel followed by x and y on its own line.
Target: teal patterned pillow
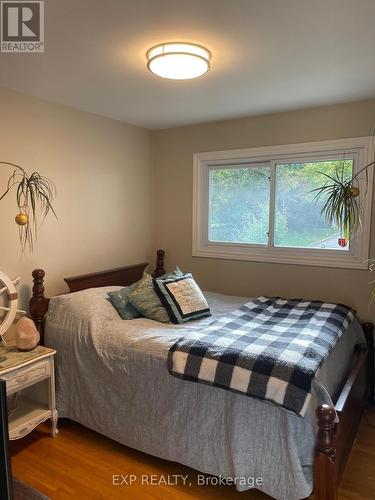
pixel 174 274
pixel 120 302
pixel 146 301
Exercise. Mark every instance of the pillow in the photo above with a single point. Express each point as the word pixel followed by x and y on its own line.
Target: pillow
pixel 182 298
pixel 146 301
pixel 120 302
pixel 173 274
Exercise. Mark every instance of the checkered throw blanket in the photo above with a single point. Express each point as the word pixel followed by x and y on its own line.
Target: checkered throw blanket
pixel 269 348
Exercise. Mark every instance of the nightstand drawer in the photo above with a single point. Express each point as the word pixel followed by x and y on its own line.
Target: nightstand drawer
pixel 23 377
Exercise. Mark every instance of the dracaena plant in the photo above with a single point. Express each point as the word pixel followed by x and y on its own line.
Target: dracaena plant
pixel 342 205
pixel 341 202
pixel 34 197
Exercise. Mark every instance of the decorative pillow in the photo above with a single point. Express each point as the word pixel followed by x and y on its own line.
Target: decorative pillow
pixel 146 301
pixel 173 274
pixel 182 298
pixel 120 302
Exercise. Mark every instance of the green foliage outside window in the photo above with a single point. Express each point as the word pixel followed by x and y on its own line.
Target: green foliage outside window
pixel 240 204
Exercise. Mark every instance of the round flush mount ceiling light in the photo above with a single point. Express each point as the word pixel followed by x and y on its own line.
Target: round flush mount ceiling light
pixel 178 61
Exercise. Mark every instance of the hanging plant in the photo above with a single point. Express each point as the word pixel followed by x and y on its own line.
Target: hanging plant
pixel 34 195
pixel 341 202
pixel 342 206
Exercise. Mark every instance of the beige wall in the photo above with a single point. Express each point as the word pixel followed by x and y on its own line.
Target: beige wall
pixel 101 168
pixel 113 208
pixel 172 152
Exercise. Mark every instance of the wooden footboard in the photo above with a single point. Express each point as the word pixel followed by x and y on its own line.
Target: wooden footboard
pixel 334 442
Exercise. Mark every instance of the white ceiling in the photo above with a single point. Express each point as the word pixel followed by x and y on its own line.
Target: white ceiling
pixel 268 55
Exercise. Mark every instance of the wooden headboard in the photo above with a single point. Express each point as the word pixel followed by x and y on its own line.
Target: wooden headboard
pixel 122 276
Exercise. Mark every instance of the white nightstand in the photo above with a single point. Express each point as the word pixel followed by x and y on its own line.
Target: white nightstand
pixel 31 375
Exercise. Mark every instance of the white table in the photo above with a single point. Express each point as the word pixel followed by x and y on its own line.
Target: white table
pixel 31 376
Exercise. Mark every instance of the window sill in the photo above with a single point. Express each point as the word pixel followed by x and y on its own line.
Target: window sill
pixel 303 257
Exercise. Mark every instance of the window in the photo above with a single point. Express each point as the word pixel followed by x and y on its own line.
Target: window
pixel 259 204
pixel 239 200
pixel 298 219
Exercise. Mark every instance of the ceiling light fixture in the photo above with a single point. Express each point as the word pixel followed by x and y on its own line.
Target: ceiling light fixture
pixel 178 61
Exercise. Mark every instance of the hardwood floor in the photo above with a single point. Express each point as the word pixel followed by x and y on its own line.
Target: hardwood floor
pixel 80 464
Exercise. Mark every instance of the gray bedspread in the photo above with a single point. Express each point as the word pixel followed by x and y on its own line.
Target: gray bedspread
pixel 112 377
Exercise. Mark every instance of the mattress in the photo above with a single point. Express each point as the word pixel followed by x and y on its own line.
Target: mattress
pixel 112 377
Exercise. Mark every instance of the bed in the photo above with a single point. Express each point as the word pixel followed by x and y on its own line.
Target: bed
pixel 112 378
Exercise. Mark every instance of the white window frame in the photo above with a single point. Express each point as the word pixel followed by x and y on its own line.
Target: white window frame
pixel 360 148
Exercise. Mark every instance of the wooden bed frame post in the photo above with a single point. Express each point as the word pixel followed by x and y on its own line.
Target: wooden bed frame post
pixel 159 270
pixel 39 303
pixel 368 330
pixel 325 470
pixel 334 441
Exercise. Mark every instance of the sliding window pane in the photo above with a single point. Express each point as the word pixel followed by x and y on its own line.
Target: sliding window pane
pixel 239 199
pixel 298 221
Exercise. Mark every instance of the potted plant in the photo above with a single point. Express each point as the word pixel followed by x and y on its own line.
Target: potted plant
pixel 34 194
pixel 342 206
pixel 341 202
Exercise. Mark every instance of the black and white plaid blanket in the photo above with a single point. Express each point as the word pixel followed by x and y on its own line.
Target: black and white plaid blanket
pixel 269 348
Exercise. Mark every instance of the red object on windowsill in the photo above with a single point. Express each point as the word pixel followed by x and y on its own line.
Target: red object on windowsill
pixel 342 242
